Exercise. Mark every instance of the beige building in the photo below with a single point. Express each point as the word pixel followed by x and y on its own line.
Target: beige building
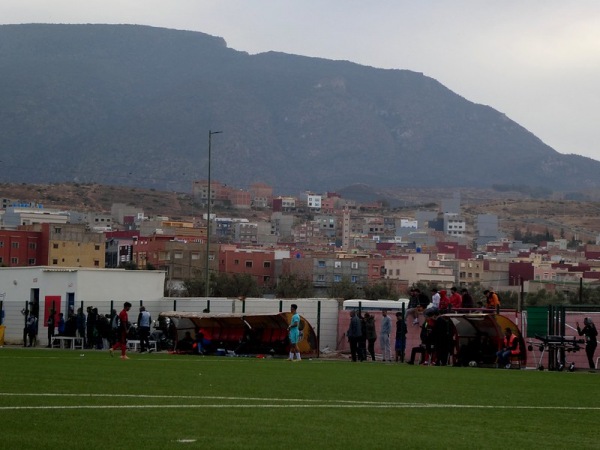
pixel 73 245
pixel 419 267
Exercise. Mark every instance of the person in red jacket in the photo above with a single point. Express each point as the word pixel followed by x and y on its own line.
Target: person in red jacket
pixel 455 298
pixel 444 302
pixel 123 328
pixel 510 347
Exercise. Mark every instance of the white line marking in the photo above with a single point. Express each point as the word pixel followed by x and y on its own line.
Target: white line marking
pixel 265 406
pixel 268 403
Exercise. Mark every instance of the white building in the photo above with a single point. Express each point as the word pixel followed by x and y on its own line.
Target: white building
pixel 454 225
pixel 41 288
pixel 17 215
pixel 313 201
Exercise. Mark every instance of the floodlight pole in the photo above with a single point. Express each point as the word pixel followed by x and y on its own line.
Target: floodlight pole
pixel 208 200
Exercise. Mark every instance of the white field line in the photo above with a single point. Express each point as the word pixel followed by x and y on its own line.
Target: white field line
pixel 274 406
pixel 270 403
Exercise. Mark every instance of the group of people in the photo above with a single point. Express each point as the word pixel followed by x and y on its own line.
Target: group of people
pixel 97 331
pixel 362 335
pixel 437 339
pixel 121 327
pixel 446 302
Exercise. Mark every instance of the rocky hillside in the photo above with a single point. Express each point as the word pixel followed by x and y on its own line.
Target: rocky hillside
pixel 133 105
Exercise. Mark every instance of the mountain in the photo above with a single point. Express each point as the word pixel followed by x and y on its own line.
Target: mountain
pixel 133 105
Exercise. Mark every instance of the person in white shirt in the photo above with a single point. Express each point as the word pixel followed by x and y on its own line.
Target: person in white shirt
pixel 384 335
pixel 144 322
pixel 435 298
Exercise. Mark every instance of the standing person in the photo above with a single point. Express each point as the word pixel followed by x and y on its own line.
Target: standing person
pixel 467 299
pixel 61 324
pixel 294 334
pixel 371 334
pixel 455 298
pixel 114 326
pixel 435 298
pixel 90 327
pixel 32 329
pixel 51 325
pixel 591 341
pixel 384 335
pixel 81 325
pixel 444 302
pixel 442 339
pixel 123 328
pixel 354 333
pixel 362 340
pixel 401 331
pixel 144 321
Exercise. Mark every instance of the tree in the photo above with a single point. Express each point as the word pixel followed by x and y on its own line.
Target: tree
pixel 236 285
pixel 194 287
pixel 381 290
pixel 292 286
pixel 344 289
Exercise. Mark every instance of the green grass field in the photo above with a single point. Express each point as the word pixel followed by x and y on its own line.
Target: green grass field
pixel 87 400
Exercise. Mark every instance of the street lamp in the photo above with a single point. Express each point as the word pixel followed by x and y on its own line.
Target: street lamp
pixel 207 287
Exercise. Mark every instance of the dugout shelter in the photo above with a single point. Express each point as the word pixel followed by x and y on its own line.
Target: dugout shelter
pixel 244 334
pixel 478 336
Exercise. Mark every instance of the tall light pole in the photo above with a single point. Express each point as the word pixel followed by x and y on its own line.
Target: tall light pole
pixel 208 199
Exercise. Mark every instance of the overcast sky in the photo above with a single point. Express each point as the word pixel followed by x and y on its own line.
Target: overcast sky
pixel 537 61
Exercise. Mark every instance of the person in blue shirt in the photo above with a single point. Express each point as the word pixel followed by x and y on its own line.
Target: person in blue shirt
pixel 294 334
pixel 61 324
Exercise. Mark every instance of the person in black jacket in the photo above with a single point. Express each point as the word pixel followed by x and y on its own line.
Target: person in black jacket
pixel 371 334
pixel 353 334
pixel 51 326
pixel 591 341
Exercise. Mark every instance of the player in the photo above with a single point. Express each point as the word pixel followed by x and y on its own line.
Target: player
pixel 294 334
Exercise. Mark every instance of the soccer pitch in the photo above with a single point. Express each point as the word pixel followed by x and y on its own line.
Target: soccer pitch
pixel 86 399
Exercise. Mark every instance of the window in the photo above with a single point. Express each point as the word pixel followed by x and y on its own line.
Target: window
pixel 266 278
pixel 337 264
pixel 32 246
pixel 236 262
pixel 14 244
pixel 57 230
pixel 31 261
pixel 195 255
pixel 320 277
pixel 96 263
pixel 321 263
pixel 354 265
pixel 178 254
pixel 249 264
pixel 96 247
pixel 1 244
pixel 354 278
pixel 337 278
pixel 267 264
pixel 14 260
pixel 55 261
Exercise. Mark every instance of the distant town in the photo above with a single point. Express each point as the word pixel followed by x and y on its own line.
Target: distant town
pixel 320 241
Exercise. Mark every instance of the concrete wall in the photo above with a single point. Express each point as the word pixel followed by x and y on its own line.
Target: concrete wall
pixel 98 288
